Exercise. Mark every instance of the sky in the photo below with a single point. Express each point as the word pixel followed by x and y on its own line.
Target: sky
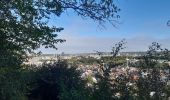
pixel 141 23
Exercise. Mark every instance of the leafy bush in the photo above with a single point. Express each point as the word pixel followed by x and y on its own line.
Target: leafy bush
pixel 58 82
pixel 13 84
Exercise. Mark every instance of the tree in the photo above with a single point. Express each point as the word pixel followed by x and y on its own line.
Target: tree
pixel 149 86
pixel 14 83
pixel 119 46
pixel 153 55
pixel 104 89
pixel 153 81
pixel 168 23
pixel 58 82
pixel 24 23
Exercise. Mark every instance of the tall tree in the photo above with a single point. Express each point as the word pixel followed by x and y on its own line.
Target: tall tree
pixel 24 23
pixel 105 89
pixel 152 83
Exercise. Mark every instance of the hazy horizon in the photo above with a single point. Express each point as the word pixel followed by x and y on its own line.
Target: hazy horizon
pixel 92 52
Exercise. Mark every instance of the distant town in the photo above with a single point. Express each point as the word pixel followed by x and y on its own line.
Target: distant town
pixel 51 58
pixel 48 58
pixel 90 70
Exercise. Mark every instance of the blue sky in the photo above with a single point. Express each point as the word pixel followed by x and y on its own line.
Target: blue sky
pixel 141 23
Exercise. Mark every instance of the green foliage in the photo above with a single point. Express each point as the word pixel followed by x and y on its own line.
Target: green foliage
pixel 24 24
pixel 167 90
pixel 140 89
pixel 118 47
pixel 154 54
pixel 22 31
pixel 118 60
pixel 51 82
pixel 88 60
pixel 24 28
pixel 104 89
pixel 58 82
pixel 13 84
pixel 153 81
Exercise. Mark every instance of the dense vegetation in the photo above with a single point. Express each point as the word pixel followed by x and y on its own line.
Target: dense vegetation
pixel 24 28
pixel 24 24
pixel 61 82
